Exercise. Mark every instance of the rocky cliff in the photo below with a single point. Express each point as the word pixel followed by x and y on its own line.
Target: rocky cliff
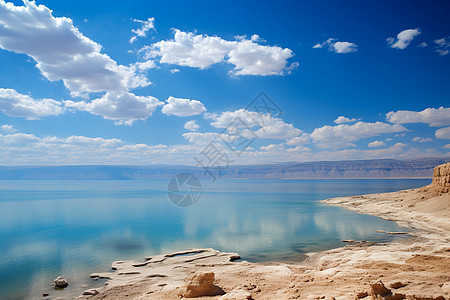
pixel 441 178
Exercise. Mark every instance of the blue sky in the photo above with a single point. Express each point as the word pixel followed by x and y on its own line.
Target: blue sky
pixel 155 82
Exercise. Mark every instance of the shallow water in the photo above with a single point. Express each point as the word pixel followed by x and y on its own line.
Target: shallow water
pixel 74 228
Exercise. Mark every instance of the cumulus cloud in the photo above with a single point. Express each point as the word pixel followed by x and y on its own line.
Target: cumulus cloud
pixel 144 66
pixel 403 39
pixel 305 138
pixel 173 71
pixel 18 105
pixel 342 120
pixel 202 51
pixel 17 139
pixel 142 31
pixel 433 117
pixel 8 128
pixel 377 144
pixel 123 107
pixel 191 125
pixel 267 127
pixel 278 129
pixel 442 46
pixel 421 140
pixel 183 107
pixel 341 135
pixel 337 46
pixel 443 133
pixel 61 51
pixel 28 149
pixel 344 47
pixel 202 138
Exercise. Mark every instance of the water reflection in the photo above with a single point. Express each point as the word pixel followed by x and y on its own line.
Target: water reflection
pixel 74 228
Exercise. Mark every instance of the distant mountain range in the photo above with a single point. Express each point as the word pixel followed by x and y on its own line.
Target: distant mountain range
pixel 379 168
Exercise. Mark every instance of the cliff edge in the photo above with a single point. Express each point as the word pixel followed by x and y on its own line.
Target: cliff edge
pixel 441 178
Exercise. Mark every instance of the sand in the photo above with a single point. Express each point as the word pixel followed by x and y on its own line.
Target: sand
pixel 417 267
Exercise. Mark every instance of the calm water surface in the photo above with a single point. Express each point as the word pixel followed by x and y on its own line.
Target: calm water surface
pixel 74 228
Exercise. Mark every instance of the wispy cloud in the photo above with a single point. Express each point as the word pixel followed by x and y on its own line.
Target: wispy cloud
pixel 336 46
pixel 442 46
pixel 142 31
pixel 403 39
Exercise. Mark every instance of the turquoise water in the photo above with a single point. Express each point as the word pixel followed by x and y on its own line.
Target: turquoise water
pixel 74 228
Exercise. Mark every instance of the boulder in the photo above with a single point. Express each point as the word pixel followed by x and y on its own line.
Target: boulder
pixel 380 291
pixel 91 292
pixel 200 284
pixel 237 294
pixel 61 282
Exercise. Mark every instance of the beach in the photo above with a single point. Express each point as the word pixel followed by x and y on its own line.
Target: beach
pixel 415 267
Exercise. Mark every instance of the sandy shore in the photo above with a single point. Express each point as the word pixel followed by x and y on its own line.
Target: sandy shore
pixel 418 267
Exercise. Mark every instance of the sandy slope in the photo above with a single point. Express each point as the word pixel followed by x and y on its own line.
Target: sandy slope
pixel 418 267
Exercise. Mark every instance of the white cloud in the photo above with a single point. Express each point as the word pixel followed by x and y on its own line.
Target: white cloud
pixel 28 149
pixel 424 140
pixel 377 144
pixel 423 45
pixel 442 46
pixel 18 139
pixel 183 107
pixel 8 128
pixel 344 47
pixel 61 51
pixel 305 138
pixel 341 135
pixel 18 105
pixel 202 138
pixel 337 46
pixel 299 148
pixel 144 66
pixel 173 71
pixel 342 120
pixel 318 46
pixel 251 58
pixel 191 125
pixel 447 146
pixel 421 140
pixel 187 49
pixel 278 129
pixel 269 127
pixel 142 31
pixel 202 51
pixel 433 117
pixel 403 39
pixel 123 107
pixel 443 133
pixel 248 118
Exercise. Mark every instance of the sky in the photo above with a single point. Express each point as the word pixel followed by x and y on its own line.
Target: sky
pixel 201 83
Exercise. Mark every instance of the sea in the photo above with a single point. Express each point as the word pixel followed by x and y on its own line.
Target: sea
pixel 72 228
